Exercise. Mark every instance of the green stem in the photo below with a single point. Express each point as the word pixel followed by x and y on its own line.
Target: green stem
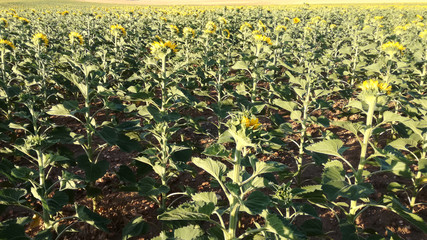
pixel 163 84
pixel 359 178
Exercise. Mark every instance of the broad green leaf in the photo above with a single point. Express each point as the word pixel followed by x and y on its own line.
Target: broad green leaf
pixel 255 203
pixel 60 110
pixel 332 147
pixel 134 228
pixel 275 225
pixel 268 167
pixel 287 105
pixel 208 197
pixel 94 219
pixel 333 179
pixel 240 65
pixel 214 168
pixel 70 181
pixel 12 195
pixel 12 230
pixel 216 150
pixel 395 206
pixel 195 211
pixel 190 232
pixel 93 171
pixel 56 203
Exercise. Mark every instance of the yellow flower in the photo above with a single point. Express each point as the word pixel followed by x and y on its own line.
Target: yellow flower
pixel 118 30
pixel 227 32
pixel 160 49
pixel 378 18
pixel 210 27
pixel 5 43
pixel 280 28
pixel 64 13
pixel 75 35
pixel 420 24
pixel 392 47
pixel 332 26
pixel 98 17
pixel 24 20
pixel 40 38
pixel 423 34
pixel 187 31
pixel 262 25
pixel 420 17
pixel 259 38
pixel 296 20
pixel 174 28
pixel 4 21
pixel 251 123
pixel 373 86
pixel 223 20
pixel 245 26
pixel 399 29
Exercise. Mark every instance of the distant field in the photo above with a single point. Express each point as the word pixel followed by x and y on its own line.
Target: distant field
pixel 29 3
pixel 247 2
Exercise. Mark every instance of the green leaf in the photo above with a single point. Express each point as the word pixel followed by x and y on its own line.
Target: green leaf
pixel 329 147
pixel 333 179
pixel 268 167
pixel 114 137
pixel 216 150
pixel 93 171
pixel 208 197
pixel 255 203
pixel 240 65
pixel 70 181
pixel 149 187
pixel 12 230
pixel 12 195
pixel 134 228
pixel 287 105
pixel 214 168
pixel 395 206
pixel 194 211
pixel 274 225
pixel 94 219
pixel 393 117
pixel 312 227
pixel 190 232
pixel 59 110
pixel 56 203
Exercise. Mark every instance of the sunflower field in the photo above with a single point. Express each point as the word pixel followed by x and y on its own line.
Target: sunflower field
pixel 293 122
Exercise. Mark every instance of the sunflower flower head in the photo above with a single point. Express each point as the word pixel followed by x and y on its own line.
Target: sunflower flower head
pixel 24 20
pixel 423 34
pixel 279 29
pixel 210 28
pixel 160 48
pixel 250 123
pixel 4 23
pixel 260 39
pixel 420 17
pixel 262 26
pixel 392 47
pixel 373 86
pixel 118 31
pixel 188 31
pixel 65 13
pixel 75 37
pixel 6 44
pixel 245 27
pixel 222 20
pixel 40 39
pixel 378 18
pixel 174 29
pixel 226 33
pixel 296 20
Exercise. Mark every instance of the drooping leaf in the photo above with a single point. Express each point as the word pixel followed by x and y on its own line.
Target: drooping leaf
pixel 94 219
pixel 134 228
pixel 12 195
